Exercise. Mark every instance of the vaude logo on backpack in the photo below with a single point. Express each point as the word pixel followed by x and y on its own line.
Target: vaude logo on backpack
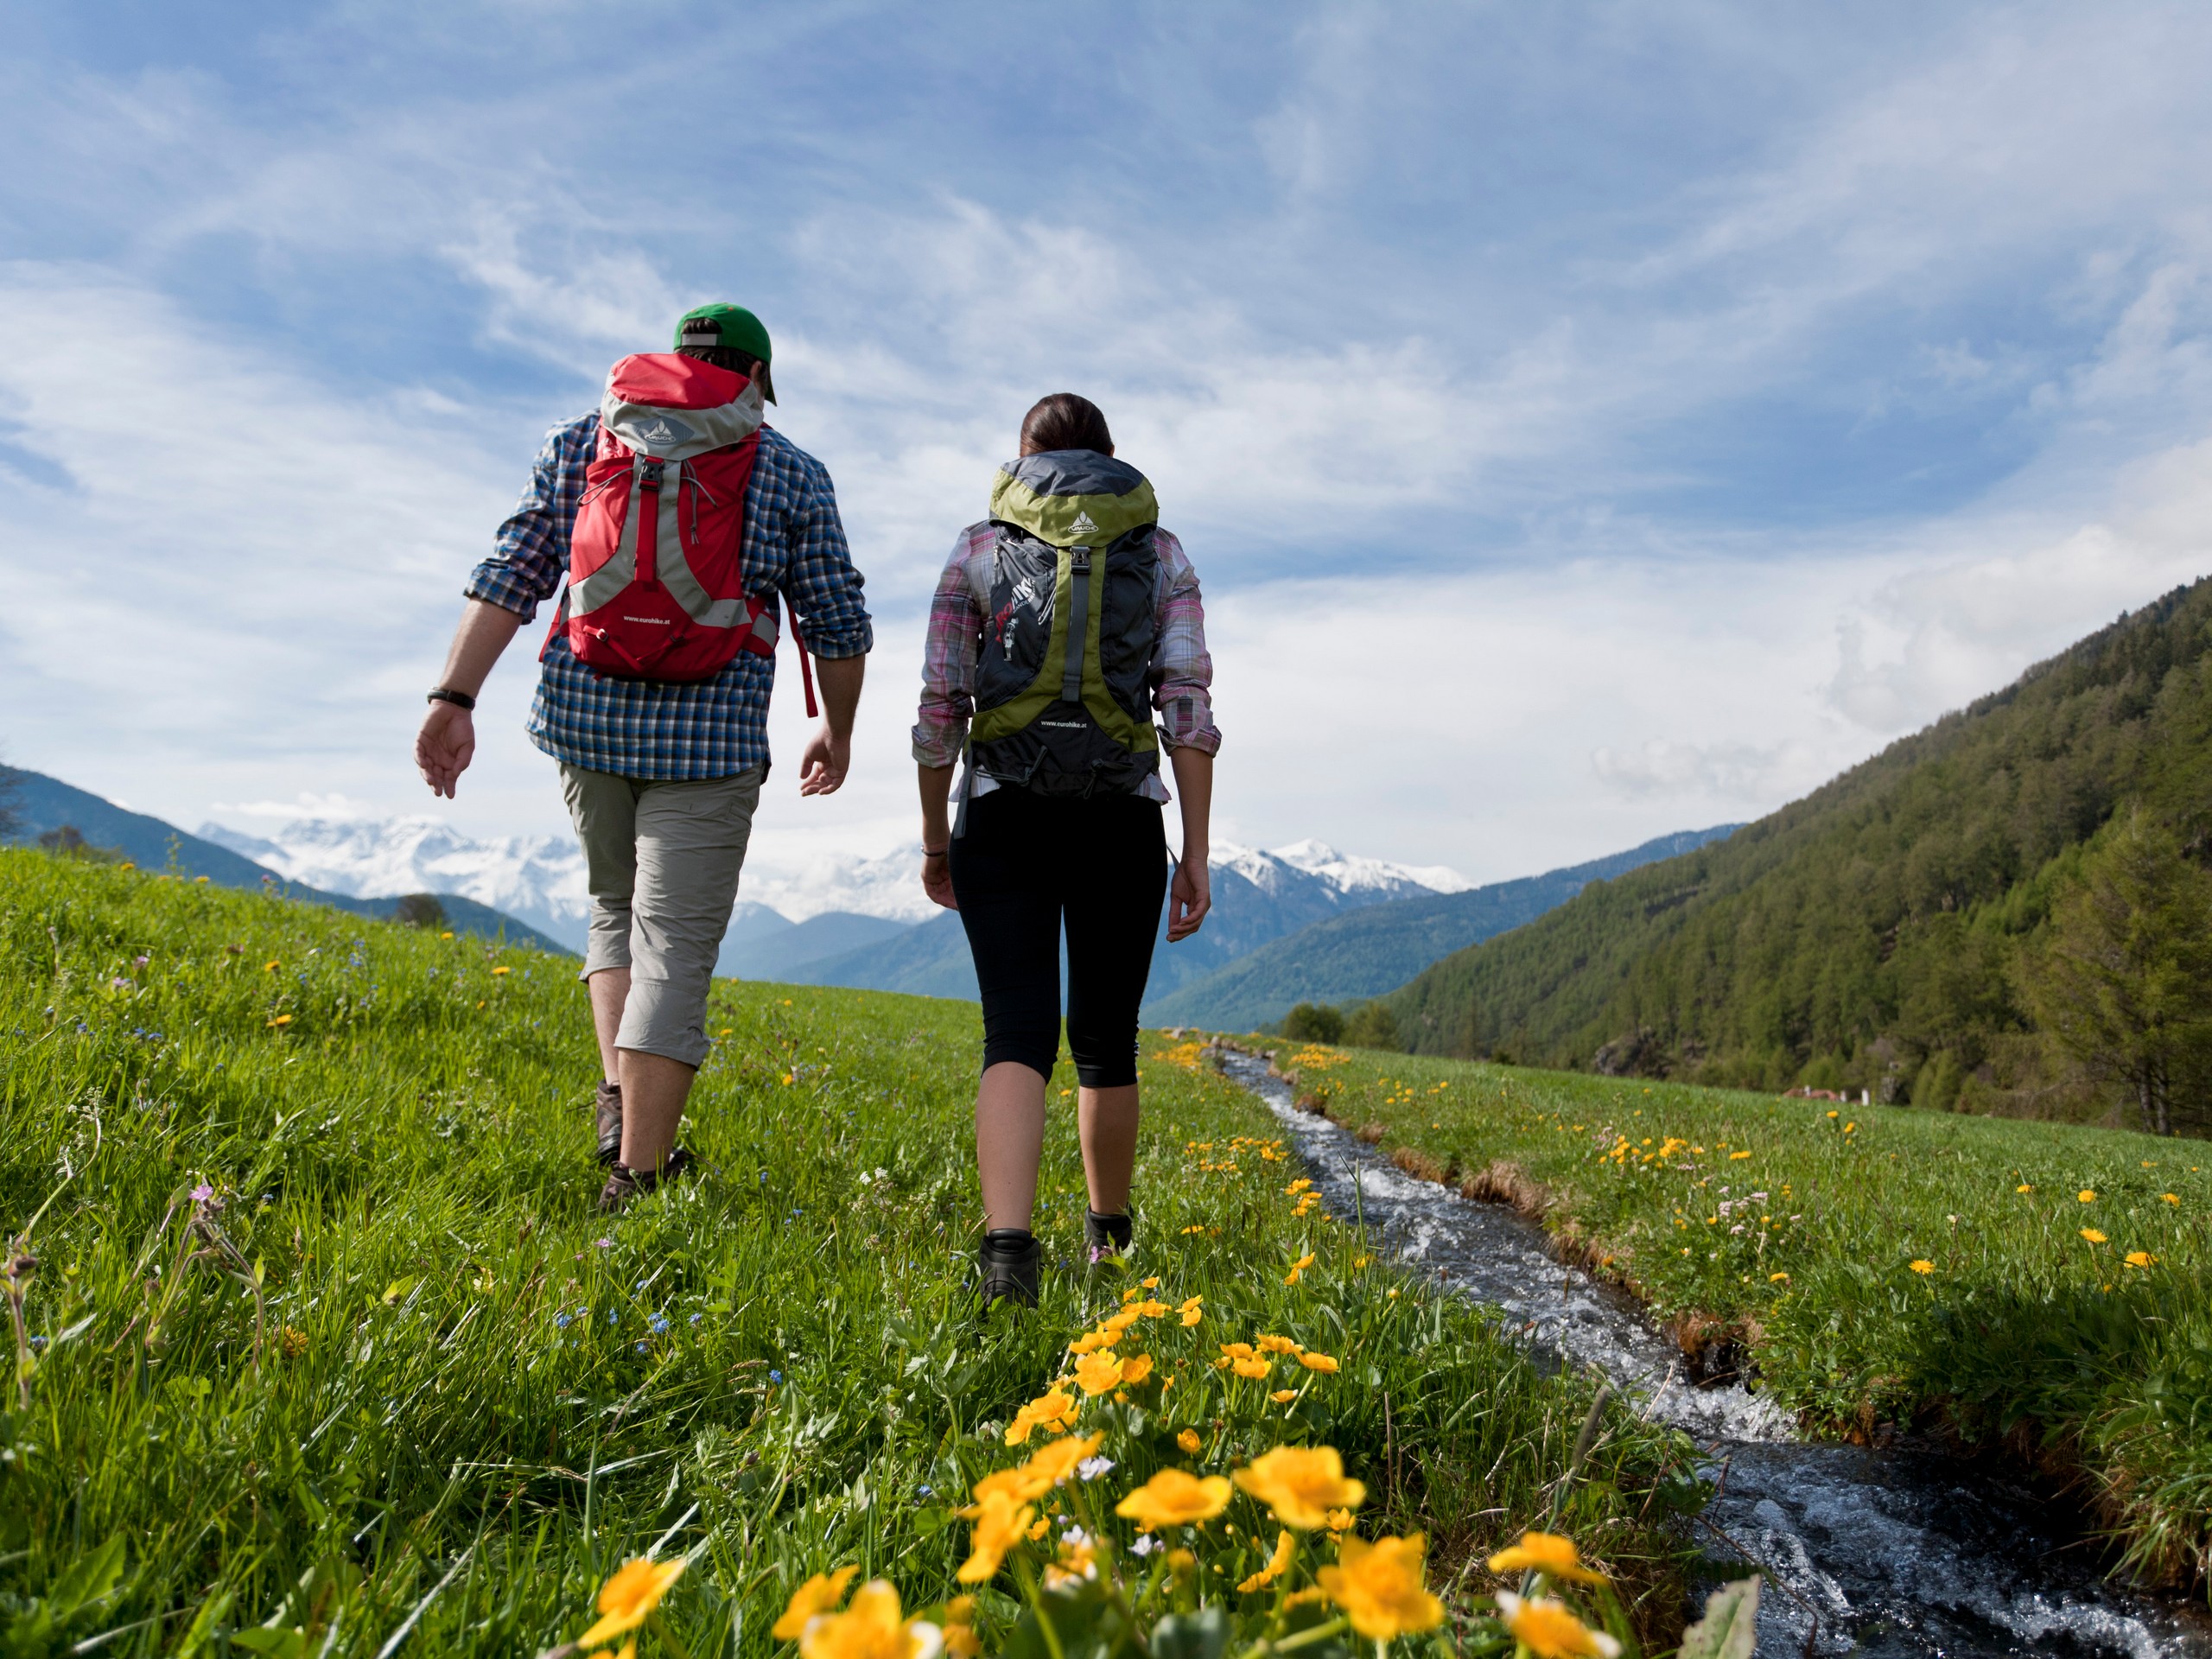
pixel 1063 703
pixel 655 583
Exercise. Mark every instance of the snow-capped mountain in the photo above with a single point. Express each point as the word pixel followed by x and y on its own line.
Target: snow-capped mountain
pixel 540 879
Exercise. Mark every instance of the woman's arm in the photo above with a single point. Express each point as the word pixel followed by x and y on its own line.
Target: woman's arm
pixel 949 652
pixel 1190 895
pixel 937 835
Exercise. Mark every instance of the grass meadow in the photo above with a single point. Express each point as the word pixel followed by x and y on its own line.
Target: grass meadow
pixel 2034 1284
pixel 321 1348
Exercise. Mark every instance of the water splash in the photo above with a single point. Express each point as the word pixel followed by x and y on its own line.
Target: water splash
pixel 1897 1554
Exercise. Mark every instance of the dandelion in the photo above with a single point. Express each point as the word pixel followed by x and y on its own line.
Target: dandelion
pixel 282 1020
pixel 1301 1485
pixel 2094 1235
pixel 2170 1198
pixel 2087 1195
pixel 1547 1629
pixel 1189 1440
pixel 1379 1587
pixel 1324 1364
pixel 268 966
pixel 2139 1259
pixel 1921 1264
pixel 1546 1553
pixel 872 1628
pixel 819 1594
pixel 998 1526
pixel 627 1598
pixel 496 972
pixel 1777 1278
pixel 1174 1497
pixel 1733 1156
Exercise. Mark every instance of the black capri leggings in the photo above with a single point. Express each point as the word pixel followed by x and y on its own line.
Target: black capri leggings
pixel 1026 862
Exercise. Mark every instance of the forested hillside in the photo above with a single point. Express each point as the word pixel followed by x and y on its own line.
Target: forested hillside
pixel 2007 911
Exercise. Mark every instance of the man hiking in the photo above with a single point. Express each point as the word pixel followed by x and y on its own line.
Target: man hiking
pixel 680 521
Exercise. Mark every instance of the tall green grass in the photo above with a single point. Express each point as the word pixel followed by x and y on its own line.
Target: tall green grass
pixel 393 1367
pixel 2034 1284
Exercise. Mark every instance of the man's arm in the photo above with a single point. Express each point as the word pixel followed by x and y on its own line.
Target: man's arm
pixel 828 754
pixel 447 741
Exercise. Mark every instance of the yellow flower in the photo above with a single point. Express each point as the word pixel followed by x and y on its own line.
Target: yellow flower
pixel 1283 1397
pixel 445 936
pixel 1152 1283
pixel 1044 1525
pixel 1922 1265
pixel 1190 1314
pixel 496 972
pixel 1055 1409
pixel 1323 1363
pixel 633 1592
pixel 1278 1564
pixel 1174 1497
pixel 1547 1629
pixel 1340 1520
pixel 1279 1345
pixel 1120 1322
pixel 1137 1368
pixel 1254 1367
pixel 819 1594
pixel 2170 1198
pixel 1238 1349
pixel 1546 1553
pixel 1777 1278
pixel 1044 1470
pixel 1301 1485
pixel 1733 1156
pixel 1099 1373
pixel 961 1642
pixel 268 967
pixel 872 1628
pixel 1379 1587
pixel 2023 1187
pixel 2140 1259
pixel 1091 1343
pixel 1298 1268
pixel 997 1527
pixel 2087 1195
pixel 1189 1440
pixel 2093 1235
pixel 282 1020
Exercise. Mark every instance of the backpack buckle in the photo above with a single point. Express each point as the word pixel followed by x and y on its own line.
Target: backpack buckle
pixel 1079 561
pixel 649 472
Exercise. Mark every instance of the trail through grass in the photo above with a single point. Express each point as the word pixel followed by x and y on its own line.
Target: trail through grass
pixel 323 1335
pixel 2030 1283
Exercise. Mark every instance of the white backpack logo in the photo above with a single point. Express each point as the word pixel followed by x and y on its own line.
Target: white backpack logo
pixel 1083 525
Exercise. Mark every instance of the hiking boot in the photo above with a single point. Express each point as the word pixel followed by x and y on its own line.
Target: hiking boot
pixel 1108 1235
pixel 608 1106
pixel 625 1184
pixel 1007 1265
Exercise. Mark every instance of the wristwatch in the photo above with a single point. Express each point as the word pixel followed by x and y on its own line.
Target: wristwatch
pixel 446 694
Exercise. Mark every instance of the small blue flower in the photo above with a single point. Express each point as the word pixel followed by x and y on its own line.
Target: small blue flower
pixel 559 1321
pixel 775 1377
pixel 611 1316
pixel 641 1347
pixel 696 1318
pixel 925 1491
pixel 659 1323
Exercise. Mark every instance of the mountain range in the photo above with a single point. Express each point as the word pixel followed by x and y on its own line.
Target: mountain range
pixel 1993 913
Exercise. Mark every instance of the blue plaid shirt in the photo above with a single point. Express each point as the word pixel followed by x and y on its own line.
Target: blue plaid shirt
pixel 794 544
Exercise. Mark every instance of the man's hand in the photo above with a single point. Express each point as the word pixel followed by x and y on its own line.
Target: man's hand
pixel 828 757
pixel 936 880
pixel 444 747
pixel 1190 896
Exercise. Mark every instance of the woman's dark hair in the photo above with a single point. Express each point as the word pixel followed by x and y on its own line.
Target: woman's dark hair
pixel 1064 421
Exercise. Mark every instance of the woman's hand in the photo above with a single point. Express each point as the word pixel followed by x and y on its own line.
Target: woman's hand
pixel 1190 896
pixel 937 879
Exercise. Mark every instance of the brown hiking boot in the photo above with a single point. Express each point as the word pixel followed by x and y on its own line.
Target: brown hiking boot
pixel 625 1184
pixel 608 1106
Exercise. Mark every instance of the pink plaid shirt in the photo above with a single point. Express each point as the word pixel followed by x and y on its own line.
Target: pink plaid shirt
pixel 1181 669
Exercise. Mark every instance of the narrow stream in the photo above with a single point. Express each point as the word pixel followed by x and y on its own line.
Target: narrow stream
pixel 1893 1555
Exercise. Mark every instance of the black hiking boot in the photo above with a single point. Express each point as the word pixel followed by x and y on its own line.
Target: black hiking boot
pixel 1108 1235
pixel 1009 1263
pixel 624 1184
pixel 608 1109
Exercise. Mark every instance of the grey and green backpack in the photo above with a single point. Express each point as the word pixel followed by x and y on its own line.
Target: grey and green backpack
pixel 1063 703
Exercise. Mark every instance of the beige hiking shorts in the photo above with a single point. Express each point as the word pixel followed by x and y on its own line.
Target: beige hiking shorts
pixel 662 862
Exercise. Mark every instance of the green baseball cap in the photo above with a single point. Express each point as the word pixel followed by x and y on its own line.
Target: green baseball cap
pixel 731 327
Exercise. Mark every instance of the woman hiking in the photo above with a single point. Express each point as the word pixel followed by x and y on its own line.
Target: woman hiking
pixel 1061 624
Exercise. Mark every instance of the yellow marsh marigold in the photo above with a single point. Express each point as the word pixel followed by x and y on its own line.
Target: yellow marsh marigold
pixel 1150 1309
pixel 2093 1235
pixel 1279 1345
pixel 1547 1629
pixel 1340 1520
pixel 961 1640
pixel 1091 1342
pixel 1192 1314
pixel 633 1592
pixel 1189 1440
pixel 1174 1497
pixel 1323 1363
pixel 1117 1323
pixel 997 1527
pixel 817 1595
pixel 1254 1367
pixel 1099 1373
pixel 1283 1397
pixel 1137 1368
pixel 872 1628
pixel 1238 1349
pixel 1046 1469
pixel 1922 1265
pixel 1055 1409
pixel 1546 1553
pixel 1298 1268
pixel 1379 1587
pixel 1278 1564
pixel 1301 1485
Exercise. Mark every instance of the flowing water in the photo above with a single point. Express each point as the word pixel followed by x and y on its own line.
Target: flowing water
pixel 1900 1552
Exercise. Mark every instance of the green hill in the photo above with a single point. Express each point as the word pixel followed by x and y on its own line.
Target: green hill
pixel 1364 953
pixel 1899 929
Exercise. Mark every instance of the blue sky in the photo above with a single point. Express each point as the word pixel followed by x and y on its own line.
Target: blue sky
pixel 1589 421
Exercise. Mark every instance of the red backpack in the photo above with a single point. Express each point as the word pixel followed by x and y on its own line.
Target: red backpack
pixel 656 584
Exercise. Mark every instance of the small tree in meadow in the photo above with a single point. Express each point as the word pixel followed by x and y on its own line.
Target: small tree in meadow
pixel 1373 1025
pixel 2123 980
pixel 1313 1022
